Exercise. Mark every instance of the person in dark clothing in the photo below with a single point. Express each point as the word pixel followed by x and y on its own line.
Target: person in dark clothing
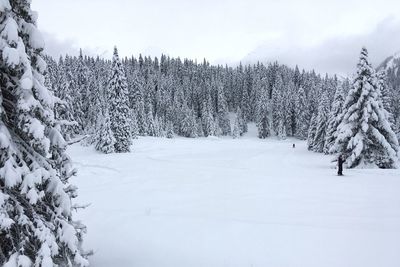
pixel 294 145
pixel 340 165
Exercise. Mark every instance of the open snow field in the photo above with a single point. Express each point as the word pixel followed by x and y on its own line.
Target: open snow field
pixel 245 202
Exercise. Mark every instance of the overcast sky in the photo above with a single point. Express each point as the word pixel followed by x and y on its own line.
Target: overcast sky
pixel 324 35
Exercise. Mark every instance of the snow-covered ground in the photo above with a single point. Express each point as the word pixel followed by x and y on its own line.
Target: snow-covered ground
pixel 245 202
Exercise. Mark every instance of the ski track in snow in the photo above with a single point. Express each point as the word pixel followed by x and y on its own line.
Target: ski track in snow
pixel 234 202
pixel 83 165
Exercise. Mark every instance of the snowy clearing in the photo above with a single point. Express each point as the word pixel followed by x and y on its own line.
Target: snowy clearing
pixel 235 202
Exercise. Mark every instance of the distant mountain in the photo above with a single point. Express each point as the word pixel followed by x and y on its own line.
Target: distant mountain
pixel 392 67
pixel 391 63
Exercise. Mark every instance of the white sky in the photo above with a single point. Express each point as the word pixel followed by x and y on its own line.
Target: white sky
pixel 291 31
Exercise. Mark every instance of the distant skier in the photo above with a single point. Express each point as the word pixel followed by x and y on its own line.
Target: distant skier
pixel 294 145
pixel 340 165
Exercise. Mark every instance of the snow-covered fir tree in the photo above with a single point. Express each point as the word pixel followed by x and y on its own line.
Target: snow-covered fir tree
pixel 385 94
pixel 151 125
pixel 118 104
pixel 317 144
pixel 281 130
pixel 245 104
pixel 134 126
pixel 158 128
pixel 311 132
pixel 278 108
pixel 241 121
pixel 240 125
pixel 36 222
pixel 335 118
pixel 263 115
pixel 236 128
pixel 105 140
pixel 188 125
pixel 303 114
pixel 63 108
pixel 365 137
pixel 170 130
pixel 222 112
pixel 209 125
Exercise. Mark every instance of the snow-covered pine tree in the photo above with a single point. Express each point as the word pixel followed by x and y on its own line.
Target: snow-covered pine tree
pixel 222 112
pixel 281 130
pixel 245 104
pixel 137 102
pixel 291 113
pixel 95 99
pixel 141 117
pixel 105 141
pixel 188 125
pixel 170 130
pixel 98 107
pixel 321 122
pixel 385 94
pixel 78 74
pixel 311 132
pixel 151 126
pixel 303 114
pixel 36 224
pixel 278 108
pixel 279 113
pixel 263 116
pixel 335 117
pixel 365 137
pixel 134 126
pixel 198 128
pixel 209 125
pixel 118 105
pixel 242 121
pixel 236 128
pixel 63 108
pixel 158 128
pixel 82 76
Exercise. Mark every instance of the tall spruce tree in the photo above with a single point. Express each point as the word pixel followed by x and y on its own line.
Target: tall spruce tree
pixel 188 126
pixel 134 125
pixel 209 125
pixel 170 130
pixel 151 125
pixel 385 94
pixel 36 224
pixel 105 140
pixel 222 112
pixel 119 106
pixel 303 114
pixel 278 108
pixel 236 128
pixel 281 130
pixel 263 117
pixel 63 108
pixel 321 122
pixel 242 121
pixel 240 124
pixel 335 117
pixel 311 132
pixel 365 137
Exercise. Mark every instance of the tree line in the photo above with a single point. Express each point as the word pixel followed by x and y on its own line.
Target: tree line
pixel 171 96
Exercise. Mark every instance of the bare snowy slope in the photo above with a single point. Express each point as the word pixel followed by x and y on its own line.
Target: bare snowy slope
pixel 225 202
